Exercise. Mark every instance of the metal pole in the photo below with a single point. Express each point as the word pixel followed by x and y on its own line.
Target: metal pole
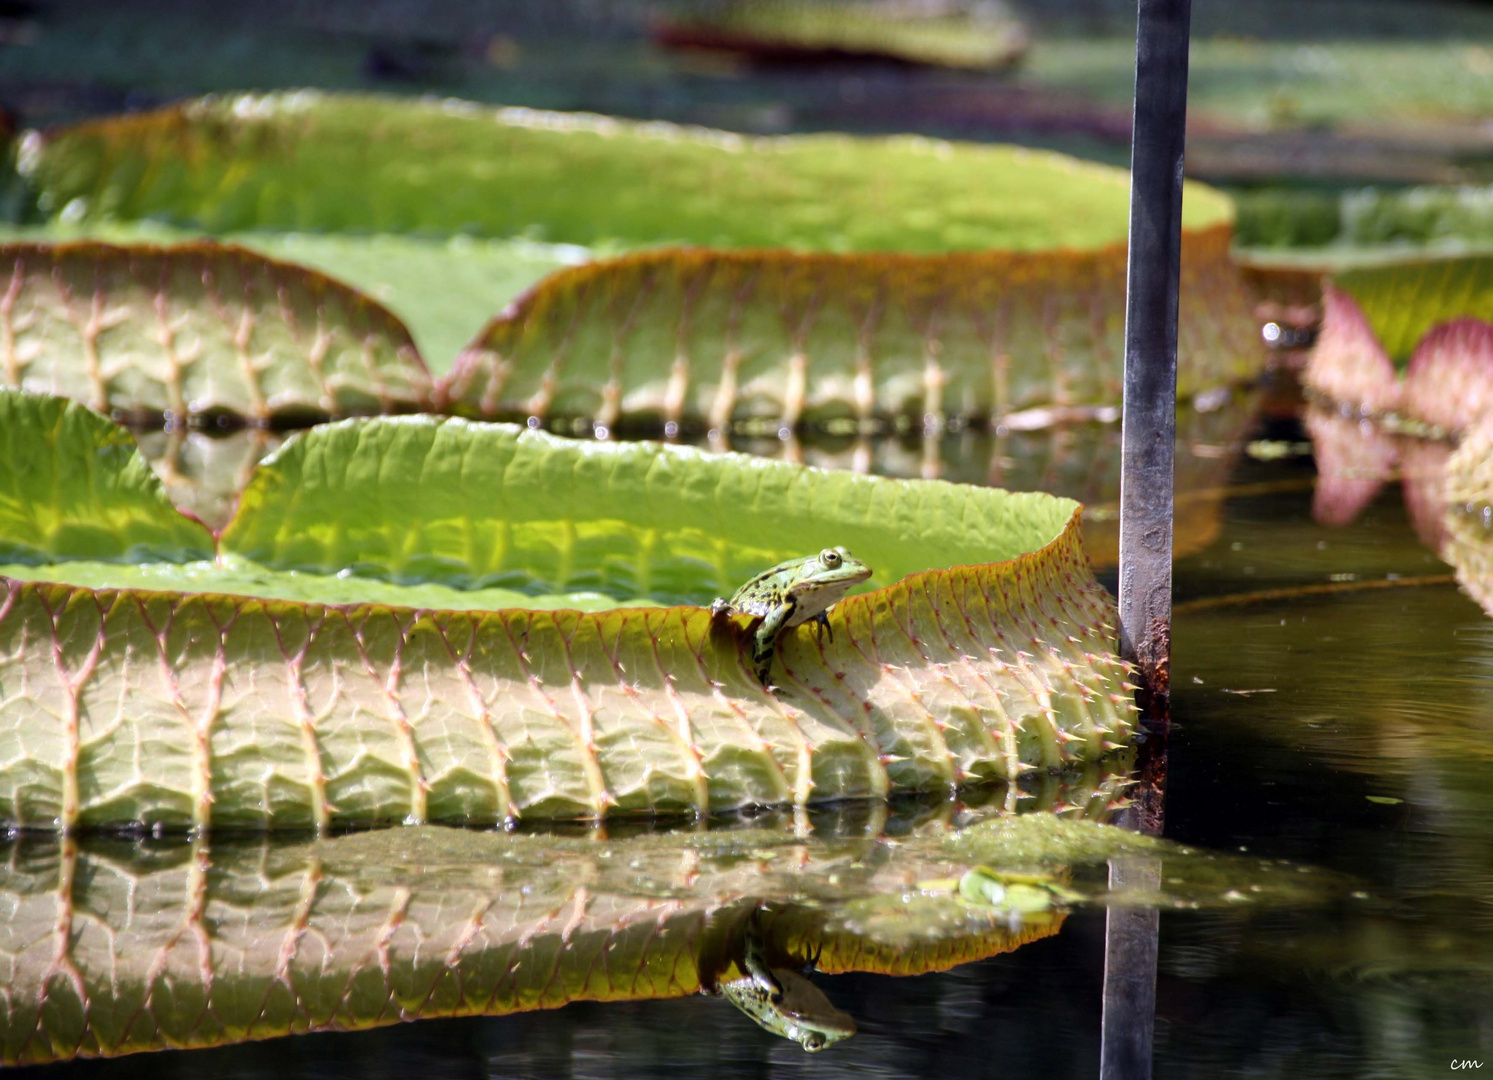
pixel 1131 934
pixel 1150 406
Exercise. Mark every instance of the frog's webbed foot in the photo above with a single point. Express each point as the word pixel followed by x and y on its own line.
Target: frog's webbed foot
pixel 721 606
pixel 821 625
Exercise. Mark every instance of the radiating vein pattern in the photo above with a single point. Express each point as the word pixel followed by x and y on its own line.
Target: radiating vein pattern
pixel 171 332
pixel 778 339
pixel 197 710
pixel 107 949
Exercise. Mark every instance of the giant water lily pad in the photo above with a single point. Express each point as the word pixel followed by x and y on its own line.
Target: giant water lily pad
pixel 714 337
pixel 926 347
pixel 1402 301
pixel 319 162
pixel 172 332
pixel 840 30
pixel 444 289
pixel 197 944
pixel 335 664
pixel 1430 319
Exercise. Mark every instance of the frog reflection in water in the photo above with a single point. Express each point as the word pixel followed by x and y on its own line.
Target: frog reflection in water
pixel 791 594
pixel 784 1002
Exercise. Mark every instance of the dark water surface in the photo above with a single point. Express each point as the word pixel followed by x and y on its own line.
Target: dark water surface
pixel 1350 730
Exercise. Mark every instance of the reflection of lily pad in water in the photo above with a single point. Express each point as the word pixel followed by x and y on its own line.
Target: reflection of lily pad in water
pixel 191 943
pixel 204 473
pixel 1469 548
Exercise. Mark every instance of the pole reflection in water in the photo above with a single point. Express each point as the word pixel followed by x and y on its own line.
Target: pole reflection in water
pixel 1131 932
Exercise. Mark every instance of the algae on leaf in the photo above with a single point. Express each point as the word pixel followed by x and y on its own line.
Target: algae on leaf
pixel 171 332
pixel 316 162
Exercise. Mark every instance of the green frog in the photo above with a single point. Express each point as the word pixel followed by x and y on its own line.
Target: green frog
pixel 785 1003
pixel 790 594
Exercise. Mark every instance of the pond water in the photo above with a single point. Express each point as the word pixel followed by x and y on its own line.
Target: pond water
pixel 1344 729
pixel 1332 683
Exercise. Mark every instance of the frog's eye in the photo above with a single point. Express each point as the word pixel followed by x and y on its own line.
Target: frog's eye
pixel 814 1042
pixel 830 557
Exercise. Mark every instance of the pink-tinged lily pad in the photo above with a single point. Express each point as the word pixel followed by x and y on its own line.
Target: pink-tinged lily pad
pixel 1354 459
pixel 1348 364
pixel 1449 383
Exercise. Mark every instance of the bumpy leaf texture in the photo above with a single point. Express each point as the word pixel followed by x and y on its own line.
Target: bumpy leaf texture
pixel 989 654
pixel 107 950
pixel 719 338
pixel 171 332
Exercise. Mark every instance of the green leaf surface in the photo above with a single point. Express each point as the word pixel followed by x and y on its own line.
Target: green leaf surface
pixel 269 712
pixel 419 499
pixel 241 577
pixel 72 486
pixel 1404 300
pixel 308 161
pixel 443 289
pixel 203 328
pixel 717 338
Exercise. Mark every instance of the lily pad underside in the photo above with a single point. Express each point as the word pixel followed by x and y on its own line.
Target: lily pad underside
pixel 111 949
pixel 1403 301
pixel 153 333
pixel 784 32
pixel 777 339
pixel 327 661
pixel 1444 387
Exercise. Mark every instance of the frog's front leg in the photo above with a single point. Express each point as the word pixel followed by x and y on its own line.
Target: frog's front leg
pixel 756 966
pixel 821 623
pixel 765 642
pixel 721 606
